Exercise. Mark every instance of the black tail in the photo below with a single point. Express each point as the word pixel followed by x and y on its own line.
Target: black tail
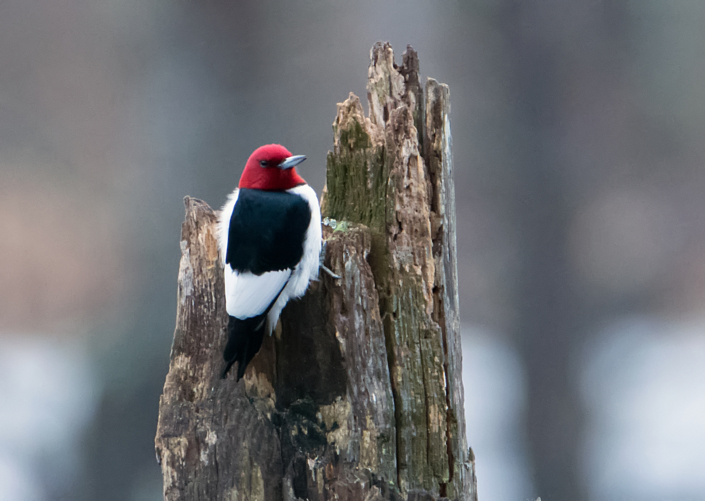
pixel 244 341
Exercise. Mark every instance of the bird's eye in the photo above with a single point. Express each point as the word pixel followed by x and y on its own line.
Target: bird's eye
pixel 263 163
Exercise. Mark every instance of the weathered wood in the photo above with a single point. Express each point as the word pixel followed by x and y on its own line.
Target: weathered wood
pixel 446 310
pixel 358 396
pixel 404 192
pixel 211 442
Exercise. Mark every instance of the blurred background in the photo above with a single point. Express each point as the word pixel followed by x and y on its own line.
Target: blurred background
pixel 579 143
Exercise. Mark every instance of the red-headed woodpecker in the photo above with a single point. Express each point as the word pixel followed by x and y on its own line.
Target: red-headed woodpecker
pixel 269 233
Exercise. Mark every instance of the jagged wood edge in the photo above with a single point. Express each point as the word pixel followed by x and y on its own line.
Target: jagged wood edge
pixel 360 143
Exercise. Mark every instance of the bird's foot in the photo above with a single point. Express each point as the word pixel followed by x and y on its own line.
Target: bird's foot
pixel 321 258
pixel 329 271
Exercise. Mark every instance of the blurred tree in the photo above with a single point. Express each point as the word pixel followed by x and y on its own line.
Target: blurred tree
pixel 547 43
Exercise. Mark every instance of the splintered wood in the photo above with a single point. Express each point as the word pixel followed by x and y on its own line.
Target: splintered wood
pixel 358 396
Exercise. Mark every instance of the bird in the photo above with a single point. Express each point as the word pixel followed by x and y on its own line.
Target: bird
pixel 269 237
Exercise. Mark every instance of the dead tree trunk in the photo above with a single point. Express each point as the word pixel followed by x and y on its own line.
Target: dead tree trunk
pixel 358 396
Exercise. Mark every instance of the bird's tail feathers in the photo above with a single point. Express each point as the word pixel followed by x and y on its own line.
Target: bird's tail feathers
pixel 244 341
pixel 245 336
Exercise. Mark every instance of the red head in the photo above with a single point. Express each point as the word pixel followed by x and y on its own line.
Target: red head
pixel 271 168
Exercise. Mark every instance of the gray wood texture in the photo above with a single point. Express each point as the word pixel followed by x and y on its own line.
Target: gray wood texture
pixel 358 395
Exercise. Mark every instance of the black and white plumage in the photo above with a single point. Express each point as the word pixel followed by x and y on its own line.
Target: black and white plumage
pixel 269 234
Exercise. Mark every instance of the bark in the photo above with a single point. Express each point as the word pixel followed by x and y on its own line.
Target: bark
pixel 358 395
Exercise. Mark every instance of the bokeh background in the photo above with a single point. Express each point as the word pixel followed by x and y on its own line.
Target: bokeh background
pixel 579 144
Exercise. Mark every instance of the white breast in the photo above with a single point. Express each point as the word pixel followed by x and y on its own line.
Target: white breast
pixel 307 269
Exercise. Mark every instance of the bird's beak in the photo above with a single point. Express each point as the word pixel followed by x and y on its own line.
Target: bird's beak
pixel 290 162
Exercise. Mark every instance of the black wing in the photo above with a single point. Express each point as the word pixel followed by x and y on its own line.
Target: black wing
pixel 267 231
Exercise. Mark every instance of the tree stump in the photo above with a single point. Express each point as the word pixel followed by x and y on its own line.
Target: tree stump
pixel 358 395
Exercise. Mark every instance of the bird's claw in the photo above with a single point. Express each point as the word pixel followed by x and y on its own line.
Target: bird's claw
pixel 322 257
pixel 329 271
